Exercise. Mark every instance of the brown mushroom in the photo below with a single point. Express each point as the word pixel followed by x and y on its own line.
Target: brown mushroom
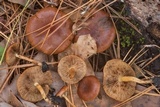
pixel 49 38
pixel 88 88
pixel 119 80
pixel 71 69
pixel 29 81
pixel 101 28
pixel 12 55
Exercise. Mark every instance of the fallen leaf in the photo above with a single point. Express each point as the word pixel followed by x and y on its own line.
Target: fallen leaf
pixel 3 73
pixel 14 101
pixel 26 103
pixel 40 57
pixel 3 104
pixel 90 70
pixel 85 46
pixel 5 95
pixel 57 81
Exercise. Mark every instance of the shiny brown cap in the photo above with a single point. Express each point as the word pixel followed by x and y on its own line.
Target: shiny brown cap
pixel 88 88
pixel 36 37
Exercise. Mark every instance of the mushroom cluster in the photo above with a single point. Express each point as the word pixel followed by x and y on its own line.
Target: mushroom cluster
pixel 46 32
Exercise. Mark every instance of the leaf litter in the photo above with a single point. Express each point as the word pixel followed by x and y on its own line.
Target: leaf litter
pixel 84 48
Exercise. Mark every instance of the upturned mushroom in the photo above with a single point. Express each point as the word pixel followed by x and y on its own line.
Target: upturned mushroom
pixel 101 28
pixel 88 88
pixel 33 84
pixel 71 69
pixel 12 55
pixel 47 33
pixel 119 80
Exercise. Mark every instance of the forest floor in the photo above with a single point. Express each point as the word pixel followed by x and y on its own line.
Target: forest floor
pixel 133 44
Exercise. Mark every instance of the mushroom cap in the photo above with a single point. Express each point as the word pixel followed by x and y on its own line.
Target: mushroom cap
pixel 88 88
pixel 36 38
pixel 114 69
pixel 25 83
pixel 10 57
pixel 101 28
pixel 71 69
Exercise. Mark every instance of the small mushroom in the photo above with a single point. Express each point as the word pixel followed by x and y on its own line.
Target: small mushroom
pixel 49 38
pixel 101 28
pixel 61 92
pixel 32 81
pixel 88 88
pixel 119 80
pixel 12 55
pixel 71 69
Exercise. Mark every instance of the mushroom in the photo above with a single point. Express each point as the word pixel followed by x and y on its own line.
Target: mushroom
pixel 101 28
pixel 71 69
pixel 88 88
pixel 119 80
pixel 46 34
pixel 33 84
pixel 12 55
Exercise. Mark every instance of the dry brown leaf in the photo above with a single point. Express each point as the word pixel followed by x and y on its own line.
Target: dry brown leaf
pixel 14 101
pixel 26 103
pixel 5 95
pixel 40 57
pixel 57 82
pixel 90 70
pixel 3 73
pixel 3 104
pixel 85 46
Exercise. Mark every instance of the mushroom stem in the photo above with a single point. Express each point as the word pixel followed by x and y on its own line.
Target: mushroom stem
pixel 61 94
pixel 133 79
pixel 28 59
pixel 39 87
pixel 71 73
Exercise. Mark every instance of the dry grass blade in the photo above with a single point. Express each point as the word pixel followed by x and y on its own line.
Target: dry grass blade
pixel 151 61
